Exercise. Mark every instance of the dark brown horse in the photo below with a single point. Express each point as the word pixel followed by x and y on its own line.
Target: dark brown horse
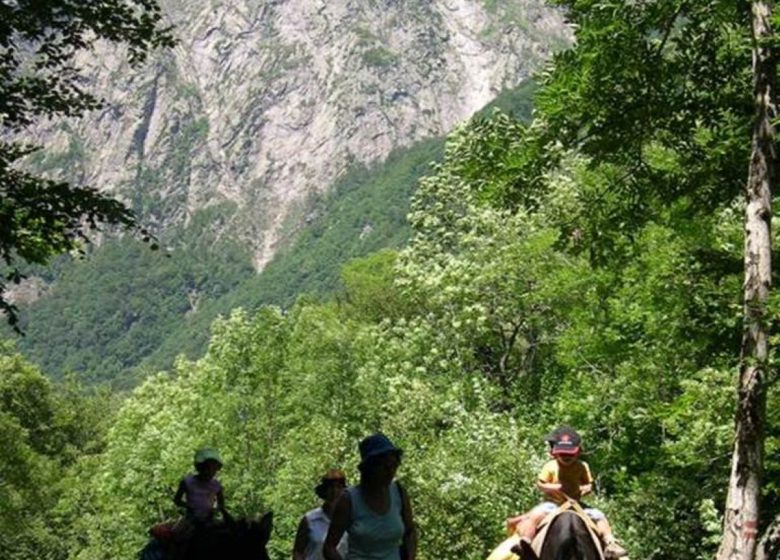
pixel 242 539
pixel 234 540
pixel 566 537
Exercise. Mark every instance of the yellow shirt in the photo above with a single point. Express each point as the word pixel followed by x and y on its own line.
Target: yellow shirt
pixel 570 477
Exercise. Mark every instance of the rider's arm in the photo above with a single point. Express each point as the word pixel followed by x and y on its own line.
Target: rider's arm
pixel 301 539
pixel 178 499
pixel 221 506
pixel 547 482
pixel 410 529
pixel 512 522
pixel 586 480
pixel 551 489
pixel 338 525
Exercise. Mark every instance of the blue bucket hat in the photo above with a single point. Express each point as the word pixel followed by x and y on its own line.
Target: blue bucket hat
pixel 375 445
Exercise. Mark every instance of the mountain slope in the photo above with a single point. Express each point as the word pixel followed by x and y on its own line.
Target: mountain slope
pixel 264 105
pixel 126 310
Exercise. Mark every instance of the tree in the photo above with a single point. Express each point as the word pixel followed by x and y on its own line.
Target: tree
pixel 671 79
pixel 39 78
pixel 493 274
pixel 45 430
pixel 740 523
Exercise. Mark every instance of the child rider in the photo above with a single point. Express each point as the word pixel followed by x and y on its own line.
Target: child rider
pixel 198 493
pixel 565 477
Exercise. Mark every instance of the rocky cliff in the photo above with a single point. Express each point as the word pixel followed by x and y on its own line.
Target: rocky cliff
pixel 263 104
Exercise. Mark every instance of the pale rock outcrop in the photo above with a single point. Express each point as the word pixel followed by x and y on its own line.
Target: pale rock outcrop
pixel 263 104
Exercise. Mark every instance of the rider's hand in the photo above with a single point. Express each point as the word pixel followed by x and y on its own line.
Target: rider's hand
pixel 556 490
pixel 558 493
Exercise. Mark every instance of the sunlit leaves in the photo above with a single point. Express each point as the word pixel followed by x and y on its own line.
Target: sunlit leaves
pixel 42 430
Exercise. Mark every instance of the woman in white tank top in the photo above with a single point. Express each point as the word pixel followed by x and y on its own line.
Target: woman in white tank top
pixel 314 525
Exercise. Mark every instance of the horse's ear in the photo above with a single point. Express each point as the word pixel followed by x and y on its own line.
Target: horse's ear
pixel 266 525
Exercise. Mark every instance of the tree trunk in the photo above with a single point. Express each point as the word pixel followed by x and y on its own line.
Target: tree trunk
pixel 769 547
pixel 740 523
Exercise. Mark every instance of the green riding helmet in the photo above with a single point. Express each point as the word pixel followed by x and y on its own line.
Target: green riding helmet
pixel 207 454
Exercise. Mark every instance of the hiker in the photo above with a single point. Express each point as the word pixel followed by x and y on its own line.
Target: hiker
pixel 376 514
pixel 314 525
pixel 565 477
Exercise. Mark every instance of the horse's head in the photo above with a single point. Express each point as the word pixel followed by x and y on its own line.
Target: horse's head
pixel 252 536
pixel 266 524
pixel 569 538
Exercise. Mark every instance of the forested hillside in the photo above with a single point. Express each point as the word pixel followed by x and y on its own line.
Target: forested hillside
pixel 584 268
pixel 170 297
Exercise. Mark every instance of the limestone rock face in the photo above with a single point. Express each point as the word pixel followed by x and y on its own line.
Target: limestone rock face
pixel 264 103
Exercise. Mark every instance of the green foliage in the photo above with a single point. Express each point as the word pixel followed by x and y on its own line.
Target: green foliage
pixel 655 101
pixel 516 102
pixel 173 296
pixel 490 327
pixel 39 44
pixel 580 269
pixel 285 396
pixel 672 77
pixel 101 319
pixel 369 290
pixel 494 276
pixel 43 431
pixel 379 57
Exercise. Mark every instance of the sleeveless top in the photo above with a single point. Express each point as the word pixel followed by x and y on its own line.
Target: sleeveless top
pixel 201 496
pixel 373 536
pixel 318 523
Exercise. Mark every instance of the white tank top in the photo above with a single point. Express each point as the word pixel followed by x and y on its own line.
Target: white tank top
pixel 318 524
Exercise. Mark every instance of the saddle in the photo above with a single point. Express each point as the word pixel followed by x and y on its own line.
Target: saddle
pixel 163 532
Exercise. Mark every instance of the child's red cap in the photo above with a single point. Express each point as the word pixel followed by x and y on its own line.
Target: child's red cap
pixel 564 441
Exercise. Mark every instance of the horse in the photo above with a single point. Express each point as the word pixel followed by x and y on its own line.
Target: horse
pixel 240 539
pixel 567 534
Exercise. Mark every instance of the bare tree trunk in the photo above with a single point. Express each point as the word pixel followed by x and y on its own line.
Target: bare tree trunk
pixel 769 547
pixel 740 524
